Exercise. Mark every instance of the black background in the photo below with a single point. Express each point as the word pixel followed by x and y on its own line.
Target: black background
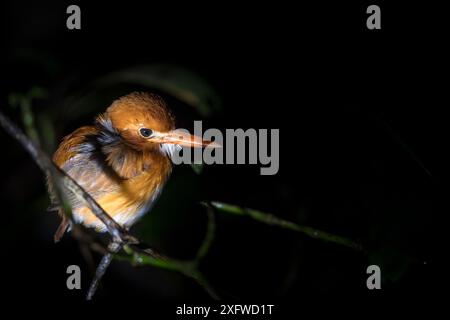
pixel 357 111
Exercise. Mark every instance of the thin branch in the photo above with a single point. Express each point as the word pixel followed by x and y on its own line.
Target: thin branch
pixel 141 257
pixel 114 229
pixel 120 237
pixel 209 236
pixel 188 268
pixel 63 181
pixel 113 248
pixel 33 149
pixel 270 219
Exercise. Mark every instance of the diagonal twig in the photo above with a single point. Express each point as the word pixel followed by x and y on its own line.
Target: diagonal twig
pixel 272 220
pixel 62 179
pixel 113 248
pixel 120 237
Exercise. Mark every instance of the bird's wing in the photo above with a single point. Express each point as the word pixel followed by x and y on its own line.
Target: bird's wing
pixel 79 157
pixel 92 175
pixel 71 144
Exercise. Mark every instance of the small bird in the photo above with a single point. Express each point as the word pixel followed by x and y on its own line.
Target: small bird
pixel 123 161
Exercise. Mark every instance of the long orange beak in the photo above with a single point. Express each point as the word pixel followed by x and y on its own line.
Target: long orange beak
pixel 184 139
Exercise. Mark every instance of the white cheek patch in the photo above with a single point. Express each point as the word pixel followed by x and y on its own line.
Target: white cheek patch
pixel 171 150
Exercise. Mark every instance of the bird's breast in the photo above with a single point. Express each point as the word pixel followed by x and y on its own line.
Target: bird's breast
pixel 125 183
pixel 132 198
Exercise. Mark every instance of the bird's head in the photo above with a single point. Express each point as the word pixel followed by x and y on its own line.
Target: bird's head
pixel 143 122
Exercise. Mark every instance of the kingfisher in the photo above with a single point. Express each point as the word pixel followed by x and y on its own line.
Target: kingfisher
pixel 123 160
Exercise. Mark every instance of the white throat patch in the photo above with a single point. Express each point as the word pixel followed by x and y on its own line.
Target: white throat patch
pixel 170 149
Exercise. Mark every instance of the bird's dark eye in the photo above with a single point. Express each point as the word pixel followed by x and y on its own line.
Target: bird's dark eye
pixel 145 132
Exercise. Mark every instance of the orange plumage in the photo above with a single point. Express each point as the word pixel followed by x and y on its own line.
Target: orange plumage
pixel 123 160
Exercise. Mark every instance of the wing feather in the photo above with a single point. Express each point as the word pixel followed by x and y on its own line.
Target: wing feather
pixel 79 157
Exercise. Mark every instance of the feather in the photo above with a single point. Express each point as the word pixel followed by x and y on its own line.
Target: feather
pixel 108 161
